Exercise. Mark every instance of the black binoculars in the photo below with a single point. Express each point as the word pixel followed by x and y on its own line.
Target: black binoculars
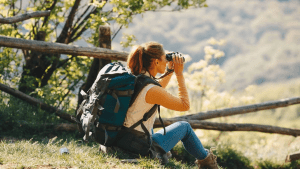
pixel 169 56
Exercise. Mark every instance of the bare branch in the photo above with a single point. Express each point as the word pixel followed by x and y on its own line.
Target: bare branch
pixel 64 35
pixel 86 10
pixel 83 22
pixel 199 124
pixel 36 102
pixel 117 32
pixel 49 9
pixel 63 62
pixel 58 48
pixel 23 17
pixel 196 124
pixel 84 28
pixel 47 75
pixel 292 157
pixel 20 7
pixel 69 89
pixel 241 109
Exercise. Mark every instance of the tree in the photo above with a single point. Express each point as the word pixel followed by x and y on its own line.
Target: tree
pixel 67 23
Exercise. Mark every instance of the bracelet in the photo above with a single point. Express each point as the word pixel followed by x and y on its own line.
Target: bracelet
pixel 169 70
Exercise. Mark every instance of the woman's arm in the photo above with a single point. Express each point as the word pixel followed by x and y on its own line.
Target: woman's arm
pixel 158 95
pixel 165 81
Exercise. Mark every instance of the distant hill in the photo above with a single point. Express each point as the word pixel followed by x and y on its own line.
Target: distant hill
pixel 263 37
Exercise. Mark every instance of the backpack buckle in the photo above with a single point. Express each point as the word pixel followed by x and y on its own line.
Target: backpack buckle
pixel 145 117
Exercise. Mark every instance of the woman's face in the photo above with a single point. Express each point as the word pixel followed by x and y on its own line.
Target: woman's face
pixel 161 66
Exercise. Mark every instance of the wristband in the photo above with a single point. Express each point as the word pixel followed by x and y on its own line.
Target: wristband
pixel 169 70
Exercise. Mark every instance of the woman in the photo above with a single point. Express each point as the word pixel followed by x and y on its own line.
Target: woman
pixel 150 59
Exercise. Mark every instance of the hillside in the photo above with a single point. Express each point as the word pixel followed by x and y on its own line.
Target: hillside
pixel 263 37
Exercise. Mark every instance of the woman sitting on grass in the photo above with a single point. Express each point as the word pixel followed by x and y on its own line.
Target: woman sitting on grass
pixel 150 59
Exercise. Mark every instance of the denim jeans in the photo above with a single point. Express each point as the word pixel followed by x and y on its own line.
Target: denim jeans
pixel 180 131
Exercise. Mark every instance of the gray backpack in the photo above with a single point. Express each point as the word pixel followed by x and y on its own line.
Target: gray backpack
pixel 102 113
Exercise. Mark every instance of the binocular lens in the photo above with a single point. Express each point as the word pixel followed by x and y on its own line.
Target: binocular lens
pixel 169 56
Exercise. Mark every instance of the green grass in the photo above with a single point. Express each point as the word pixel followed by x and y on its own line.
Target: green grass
pixel 27 143
pixel 29 153
pixel 45 152
pixel 230 158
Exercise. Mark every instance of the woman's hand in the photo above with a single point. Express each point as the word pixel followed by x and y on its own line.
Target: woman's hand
pixel 178 63
pixel 170 65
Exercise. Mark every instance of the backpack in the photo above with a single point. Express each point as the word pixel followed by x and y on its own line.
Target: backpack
pixel 102 112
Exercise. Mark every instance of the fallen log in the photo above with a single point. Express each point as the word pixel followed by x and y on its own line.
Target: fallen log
pixel 198 124
pixel 59 48
pixel 36 102
pixel 23 17
pixel 240 110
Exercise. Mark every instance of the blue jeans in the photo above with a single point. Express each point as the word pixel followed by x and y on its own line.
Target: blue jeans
pixel 180 131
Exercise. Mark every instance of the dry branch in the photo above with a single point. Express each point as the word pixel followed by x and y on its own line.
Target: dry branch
pixel 292 157
pixel 240 110
pixel 198 124
pixel 36 102
pixel 58 48
pixel 23 17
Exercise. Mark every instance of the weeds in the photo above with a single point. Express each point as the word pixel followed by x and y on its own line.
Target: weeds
pixel 230 158
pixel 267 164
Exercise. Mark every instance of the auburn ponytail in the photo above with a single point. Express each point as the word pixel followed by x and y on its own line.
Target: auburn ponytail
pixel 135 60
pixel 141 56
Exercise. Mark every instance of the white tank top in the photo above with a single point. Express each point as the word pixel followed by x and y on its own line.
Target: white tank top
pixel 137 110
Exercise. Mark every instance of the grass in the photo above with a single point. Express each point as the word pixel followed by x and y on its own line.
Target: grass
pixel 36 146
pixel 45 152
pixel 30 153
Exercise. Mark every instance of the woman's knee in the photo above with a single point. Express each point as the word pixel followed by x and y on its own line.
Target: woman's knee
pixel 185 124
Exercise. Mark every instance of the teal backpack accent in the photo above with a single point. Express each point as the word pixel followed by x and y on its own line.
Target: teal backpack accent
pixel 102 113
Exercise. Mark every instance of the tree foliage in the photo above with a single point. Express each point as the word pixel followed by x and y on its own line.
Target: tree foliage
pixel 56 77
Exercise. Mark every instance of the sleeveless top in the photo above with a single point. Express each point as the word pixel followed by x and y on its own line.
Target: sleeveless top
pixel 137 110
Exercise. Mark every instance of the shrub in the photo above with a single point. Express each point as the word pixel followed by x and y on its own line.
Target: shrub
pixel 226 157
pixel 231 159
pixel 271 165
pixel 180 154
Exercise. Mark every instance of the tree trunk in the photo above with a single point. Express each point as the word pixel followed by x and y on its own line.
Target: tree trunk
pixel 98 64
pixel 36 64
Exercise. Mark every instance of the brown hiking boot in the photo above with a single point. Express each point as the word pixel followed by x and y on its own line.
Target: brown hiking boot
pixel 210 162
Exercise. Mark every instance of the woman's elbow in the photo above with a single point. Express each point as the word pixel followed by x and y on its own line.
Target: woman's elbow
pixel 186 107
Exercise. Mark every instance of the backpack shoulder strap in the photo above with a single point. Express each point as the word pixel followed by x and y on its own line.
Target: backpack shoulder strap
pixel 141 82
